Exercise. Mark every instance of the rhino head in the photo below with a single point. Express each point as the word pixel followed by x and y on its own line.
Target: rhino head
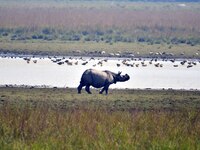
pixel 121 78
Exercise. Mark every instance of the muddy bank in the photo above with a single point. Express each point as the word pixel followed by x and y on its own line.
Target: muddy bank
pixel 23 86
pixel 117 99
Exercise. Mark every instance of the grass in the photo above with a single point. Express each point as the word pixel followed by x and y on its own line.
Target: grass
pixel 62 27
pixel 124 119
pixel 94 48
pixel 117 99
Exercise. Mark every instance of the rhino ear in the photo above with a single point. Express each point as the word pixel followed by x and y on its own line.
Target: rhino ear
pixel 119 72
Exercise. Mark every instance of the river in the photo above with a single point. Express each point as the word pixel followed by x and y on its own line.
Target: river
pixel 144 73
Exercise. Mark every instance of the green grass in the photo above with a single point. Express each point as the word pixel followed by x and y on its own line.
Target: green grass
pixel 124 119
pixel 116 100
pixel 89 48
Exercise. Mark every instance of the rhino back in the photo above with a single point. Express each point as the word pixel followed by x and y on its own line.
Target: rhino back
pixel 97 78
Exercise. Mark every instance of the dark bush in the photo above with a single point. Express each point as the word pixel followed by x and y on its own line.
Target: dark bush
pixel 107 41
pixel 21 38
pixel 174 40
pixel 87 39
pixel 141 39
pixel 46 31
pixel 40 37
pixel 85 33
pixel 182 41
pixel 76 38
pixel 99 33
pixel 5 34
pixel 14 37
pixel 34 37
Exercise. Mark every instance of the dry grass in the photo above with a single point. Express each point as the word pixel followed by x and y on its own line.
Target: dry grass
pixel 157 22
pixel 137 19
pixel 43 128
pixel 23 126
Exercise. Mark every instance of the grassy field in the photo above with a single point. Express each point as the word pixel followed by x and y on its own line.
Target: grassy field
pixel 124 119
pixel 95 49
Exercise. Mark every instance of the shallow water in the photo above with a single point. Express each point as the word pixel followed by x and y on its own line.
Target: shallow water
pixel 16 71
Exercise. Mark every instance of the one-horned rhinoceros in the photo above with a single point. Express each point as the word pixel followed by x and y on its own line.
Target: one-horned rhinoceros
pixel 98 79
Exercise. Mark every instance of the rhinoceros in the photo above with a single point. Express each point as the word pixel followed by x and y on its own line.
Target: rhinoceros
pixel 98 79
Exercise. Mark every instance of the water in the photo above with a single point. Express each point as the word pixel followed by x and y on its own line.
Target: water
pixel 16 71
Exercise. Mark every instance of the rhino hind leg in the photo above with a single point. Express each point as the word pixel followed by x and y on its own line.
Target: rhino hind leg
pixel 81 85
pixel 79 88
pixel 87 88
pixel 102 90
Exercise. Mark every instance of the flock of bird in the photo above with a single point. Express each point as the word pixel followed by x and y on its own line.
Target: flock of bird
pixel 129 62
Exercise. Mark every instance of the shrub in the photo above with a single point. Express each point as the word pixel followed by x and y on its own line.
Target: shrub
pixel 75 38
pixel 34 37
pixel 141 39
pixel 85 32
pixel 46 31
pixel 5 34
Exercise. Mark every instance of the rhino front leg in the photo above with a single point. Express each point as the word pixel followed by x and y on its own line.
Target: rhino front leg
pixel 105 88
pixel 102 90
pixel 87 88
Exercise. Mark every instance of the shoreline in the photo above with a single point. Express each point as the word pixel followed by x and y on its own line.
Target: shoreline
pixel 116 100
pixel 94 89
pixel 123 56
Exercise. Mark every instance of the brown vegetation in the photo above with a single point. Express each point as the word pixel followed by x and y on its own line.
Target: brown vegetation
pixel 126 119
pixel 162 22
pixel 100 22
